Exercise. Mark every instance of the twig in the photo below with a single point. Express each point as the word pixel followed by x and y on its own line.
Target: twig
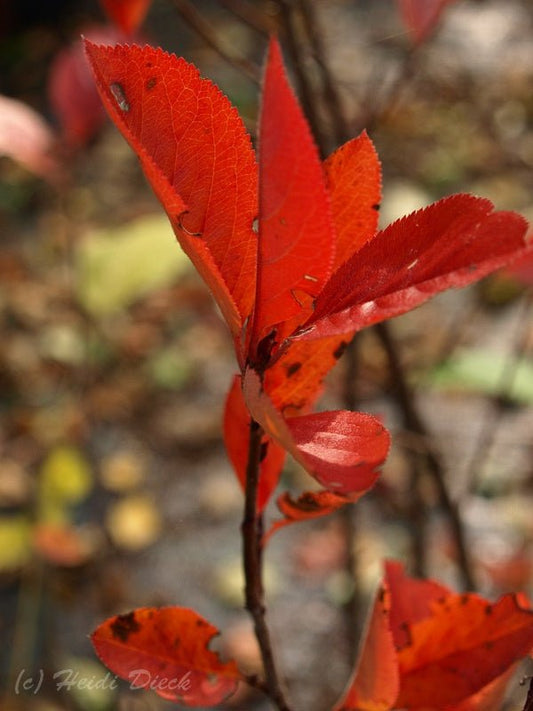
pixel 414 422
pixel 307 98
pixel 251 529
pixel 250 15
pixel 332 97
pixel 197 22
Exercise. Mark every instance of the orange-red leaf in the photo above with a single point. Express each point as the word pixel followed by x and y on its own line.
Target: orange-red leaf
pixel 375 682
pixel 342 450
pixel 126 14
pixel 296 236
pixel 195 152
pixel 311 504
pixel 166 650
pixel 412 599
pixel 464 645
pixel 236 438
pixel 353 180
pixel 451 243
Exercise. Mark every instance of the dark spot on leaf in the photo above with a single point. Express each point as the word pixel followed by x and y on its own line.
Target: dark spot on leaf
pixel 464 599
pixel 149 64
pixel 376 206
pixel 124 625
pixel 150 83
pixel 282 221
pixel 293 368
pixel 381 595
pixel 340 350
pixel 200 623
pixel 488 610
pixel 263 451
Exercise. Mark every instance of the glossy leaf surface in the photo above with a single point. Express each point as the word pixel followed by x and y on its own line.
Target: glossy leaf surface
pixel 166 650
pixel 196 154
pixel 342 450
pixel 451 243
pixel 296 238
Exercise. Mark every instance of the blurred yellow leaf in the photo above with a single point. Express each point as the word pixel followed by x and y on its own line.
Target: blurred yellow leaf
pixel 117 266
pixel 65 480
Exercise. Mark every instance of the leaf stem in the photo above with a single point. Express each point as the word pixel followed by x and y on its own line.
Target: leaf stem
pixel 197 22
pixel 252 532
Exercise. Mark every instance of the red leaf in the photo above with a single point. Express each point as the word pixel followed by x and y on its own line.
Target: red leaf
pixel 342 450
pixel 451 243
pixel 27 139
pixel 296 237
pixel 309 505
pixel 353 180
pixel 126 14
pixel 195 152
pixel 166 650
pixel 375 683
pixel 464 645
pixel 421 16
pixel 236 438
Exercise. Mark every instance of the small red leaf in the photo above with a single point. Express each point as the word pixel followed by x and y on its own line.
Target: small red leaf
pixel 421 16
pixel 353 180
pixel 375 682
pixel 296 237
pixel 236 437
pixel 126 14
pixel 342 450
pixel 195 152
pixel 309 505
pixel 464 645
pixel 451 243
pixel 166 650
pixel 72 92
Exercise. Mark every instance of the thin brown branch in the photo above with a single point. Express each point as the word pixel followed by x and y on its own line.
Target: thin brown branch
pixel 414 422
pixel 289 21
pixel 199 24
pixel 249 15
pixel 332 97
pixel 252 531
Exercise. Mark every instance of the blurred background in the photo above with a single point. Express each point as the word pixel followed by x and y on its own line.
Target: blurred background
pixel 115 491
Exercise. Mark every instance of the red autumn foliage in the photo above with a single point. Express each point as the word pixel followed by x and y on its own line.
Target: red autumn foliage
pixel 449 651
pixel 293 292
pixel 128 15
pixel 166 650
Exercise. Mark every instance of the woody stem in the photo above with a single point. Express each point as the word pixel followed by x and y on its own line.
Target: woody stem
pixel 252 530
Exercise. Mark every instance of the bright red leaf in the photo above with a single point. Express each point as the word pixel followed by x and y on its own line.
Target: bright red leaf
pixel 126 14
pixel 342 450
pixel 290 316
pixel 296 237
pixel 198 158
pixel 375 682
pixel 451 243
pixel 166 650
pixel 421 16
